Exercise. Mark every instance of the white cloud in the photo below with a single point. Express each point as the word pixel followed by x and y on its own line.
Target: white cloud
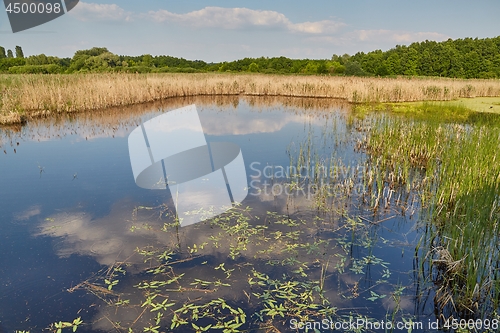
pixel 240 18
pixel 208 17
pixel 245 18
pixel 320 27
pixel 226 18
pixel 27 214
pixel 100 12
pixel 327 33
pixel 396 36
pixel 420 36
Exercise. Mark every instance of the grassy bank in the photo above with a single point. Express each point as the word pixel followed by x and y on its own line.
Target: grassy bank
pixel 457 107
pixel 33 95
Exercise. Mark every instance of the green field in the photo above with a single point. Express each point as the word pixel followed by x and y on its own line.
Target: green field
pixel 480 104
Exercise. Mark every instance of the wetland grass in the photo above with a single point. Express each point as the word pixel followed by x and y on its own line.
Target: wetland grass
pixel 438 111
pixel 458 175
pixel 25 96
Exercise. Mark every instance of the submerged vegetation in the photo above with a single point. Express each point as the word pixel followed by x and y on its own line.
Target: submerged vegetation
pixel 247 272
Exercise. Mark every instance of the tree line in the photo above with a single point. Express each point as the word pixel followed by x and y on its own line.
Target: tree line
pixel 460 58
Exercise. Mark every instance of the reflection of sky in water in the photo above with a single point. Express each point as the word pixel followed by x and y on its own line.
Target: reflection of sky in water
pixel 68 205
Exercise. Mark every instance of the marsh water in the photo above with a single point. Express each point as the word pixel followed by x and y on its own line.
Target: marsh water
pixel 79 238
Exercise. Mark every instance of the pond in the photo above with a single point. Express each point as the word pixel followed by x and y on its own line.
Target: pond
pixel 323 239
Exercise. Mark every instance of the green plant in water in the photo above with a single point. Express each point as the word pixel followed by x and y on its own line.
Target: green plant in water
pixel 59 326
pixel 456 172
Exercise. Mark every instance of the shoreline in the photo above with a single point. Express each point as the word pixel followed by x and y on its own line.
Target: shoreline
pixel 32 96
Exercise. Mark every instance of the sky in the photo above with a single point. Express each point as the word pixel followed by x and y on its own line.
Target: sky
pixel 216 31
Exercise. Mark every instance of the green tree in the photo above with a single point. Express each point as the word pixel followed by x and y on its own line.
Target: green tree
pixel 93 52
pixel 6 64
pixel 410 62
pixel 335 67
pixel 382 69
pixel 343 59
pixel 472 64
pixel 36 60
pixel 353 68
pixel 281 64
pixel 2 53
pixel 94 59
pixel 393 64
pixel 371 61
pixel 253 67
pixel 19 52
pixel 461 58
pixel 147 60
pixel 9 54
pixel 496 65
pixel 78 62
pixel 322 69
pixel 311 68
pixel 425 64
pixel 101 62
pixel 42 59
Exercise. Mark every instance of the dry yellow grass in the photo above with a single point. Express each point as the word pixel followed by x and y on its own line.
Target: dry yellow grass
pixel 33 95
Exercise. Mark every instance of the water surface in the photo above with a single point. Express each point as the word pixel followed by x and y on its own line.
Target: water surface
pixel 72 217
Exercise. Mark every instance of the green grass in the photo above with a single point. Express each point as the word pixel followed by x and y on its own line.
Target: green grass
pixel 478 104
pixel 485 110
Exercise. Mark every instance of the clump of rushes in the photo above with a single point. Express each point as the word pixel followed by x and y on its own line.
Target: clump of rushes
pixel 459 196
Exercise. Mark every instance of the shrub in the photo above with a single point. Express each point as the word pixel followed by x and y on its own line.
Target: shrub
pixel 36 69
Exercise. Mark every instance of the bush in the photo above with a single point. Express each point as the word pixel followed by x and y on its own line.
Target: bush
pixel 36 69
pixel 269 71
pixel 353 68
pixel 177 70
pixel 133 69
pixel 253 67
pixel 7 63
pixel 322 69
pixel 311 68
pixel 487 75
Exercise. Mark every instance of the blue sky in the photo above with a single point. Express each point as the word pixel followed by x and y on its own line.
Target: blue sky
pixel 229 30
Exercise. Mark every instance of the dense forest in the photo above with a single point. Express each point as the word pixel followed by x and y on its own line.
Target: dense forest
pixel 460 58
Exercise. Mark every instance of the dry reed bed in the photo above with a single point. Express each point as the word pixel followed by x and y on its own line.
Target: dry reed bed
pixel 47 94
